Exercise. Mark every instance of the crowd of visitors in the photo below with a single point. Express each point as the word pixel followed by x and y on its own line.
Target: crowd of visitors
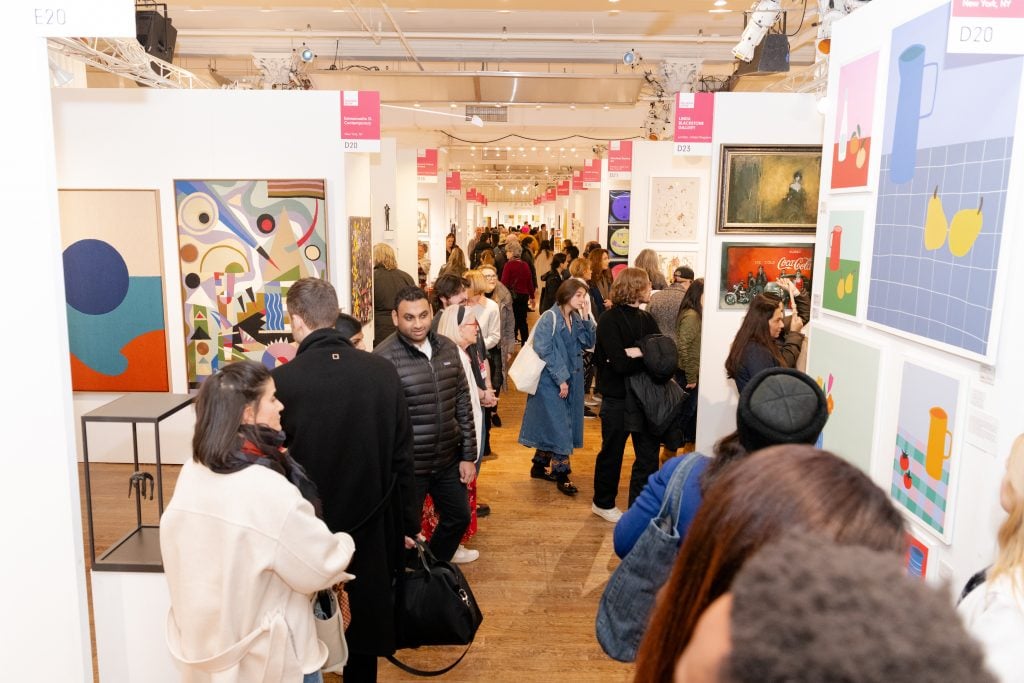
pixel 331 468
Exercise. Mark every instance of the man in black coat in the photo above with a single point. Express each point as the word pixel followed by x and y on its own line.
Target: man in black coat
pixel 440 408
pixel 347 423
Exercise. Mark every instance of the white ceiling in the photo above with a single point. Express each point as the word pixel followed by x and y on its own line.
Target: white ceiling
pixel 583 40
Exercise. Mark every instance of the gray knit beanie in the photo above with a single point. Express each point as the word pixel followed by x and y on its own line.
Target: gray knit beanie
pixel 778 406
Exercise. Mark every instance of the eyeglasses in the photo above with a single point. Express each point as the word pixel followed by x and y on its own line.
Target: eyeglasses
pixel 490 276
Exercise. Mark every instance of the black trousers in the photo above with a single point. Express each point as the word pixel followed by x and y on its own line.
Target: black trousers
pixel 609 460
pixel 519 310
pixel 360 668
pixel 451 500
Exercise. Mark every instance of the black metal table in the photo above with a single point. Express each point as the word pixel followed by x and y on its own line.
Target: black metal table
pixel 139 550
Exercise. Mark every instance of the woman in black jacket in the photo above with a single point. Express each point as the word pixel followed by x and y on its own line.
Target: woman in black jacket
pixel 761 342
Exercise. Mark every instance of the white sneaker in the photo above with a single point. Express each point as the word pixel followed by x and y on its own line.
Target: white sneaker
pixel 465 555
pixel 608 514
pixel 590 401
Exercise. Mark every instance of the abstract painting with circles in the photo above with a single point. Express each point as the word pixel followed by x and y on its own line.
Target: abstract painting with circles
pixel 241 244
pixel 114 289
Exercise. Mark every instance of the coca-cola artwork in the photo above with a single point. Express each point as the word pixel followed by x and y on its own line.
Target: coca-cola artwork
pixel 769 189
pixel 749 269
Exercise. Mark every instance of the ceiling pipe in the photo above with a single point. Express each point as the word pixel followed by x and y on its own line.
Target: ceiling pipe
pixel 355 10
pixel 401 36
pixel 436 35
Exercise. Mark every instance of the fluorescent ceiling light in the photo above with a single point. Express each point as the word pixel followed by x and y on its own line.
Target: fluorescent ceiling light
pixel 721 3
pixel 719 11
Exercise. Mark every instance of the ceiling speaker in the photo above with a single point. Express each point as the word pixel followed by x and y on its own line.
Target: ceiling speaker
pixel 771 56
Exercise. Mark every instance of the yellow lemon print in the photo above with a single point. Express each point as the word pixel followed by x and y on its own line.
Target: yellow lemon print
pixel 841 289
pixel 849 283
pixel 964 229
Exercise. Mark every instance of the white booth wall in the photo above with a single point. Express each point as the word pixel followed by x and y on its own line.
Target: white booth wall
pixel 147 138
pixel 990 413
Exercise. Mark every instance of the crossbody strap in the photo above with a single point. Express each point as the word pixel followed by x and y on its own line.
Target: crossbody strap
pixel 673 500
pixel 427 672
pixel 380 506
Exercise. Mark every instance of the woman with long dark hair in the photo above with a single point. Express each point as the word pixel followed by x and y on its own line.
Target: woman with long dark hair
pixel 761 341
pixel 754 503
pixel 601 277
pixel 243 548
pixel 553 421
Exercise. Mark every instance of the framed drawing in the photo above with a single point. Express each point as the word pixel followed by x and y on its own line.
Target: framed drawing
pixel 747 268
pixel 241 245
pixel 670 260
pixel 675 210
pixel 769 189
pixel 422 216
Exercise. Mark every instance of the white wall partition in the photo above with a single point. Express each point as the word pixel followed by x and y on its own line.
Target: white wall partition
pixel 961 120
pixel 740 119
pixel 145 139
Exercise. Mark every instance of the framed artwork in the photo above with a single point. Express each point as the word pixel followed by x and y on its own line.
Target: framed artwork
pixel 926 450
pixel 844 238
pixel 675 210
pixel 942 191
pixel 618 241
pixel 769 189
pixel 670 260
pixel 915 560
pixel 747 268
pixel 618 207
pixel 113 290
pixel 847 371
pixel 241 245
pixel 422 216
pixel 362 268
pixel 851 142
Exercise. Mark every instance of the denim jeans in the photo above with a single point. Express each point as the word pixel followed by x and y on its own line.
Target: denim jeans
pixel 315 677
pixel 451 500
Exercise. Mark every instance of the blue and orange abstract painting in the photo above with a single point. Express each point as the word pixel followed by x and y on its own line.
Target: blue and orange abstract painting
pixel 114 290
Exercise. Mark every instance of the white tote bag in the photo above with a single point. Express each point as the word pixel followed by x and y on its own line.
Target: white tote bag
pixel 527 366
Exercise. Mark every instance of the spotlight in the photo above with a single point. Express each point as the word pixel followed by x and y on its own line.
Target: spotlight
pixel 630 58
pixel 763 15
pixel 306 55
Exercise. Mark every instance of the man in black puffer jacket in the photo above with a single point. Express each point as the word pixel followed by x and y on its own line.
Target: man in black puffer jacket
pixel 444 436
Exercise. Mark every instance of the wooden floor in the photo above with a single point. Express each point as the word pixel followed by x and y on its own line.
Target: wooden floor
pixel 544 560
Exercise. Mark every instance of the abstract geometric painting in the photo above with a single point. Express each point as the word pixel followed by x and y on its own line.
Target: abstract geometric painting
pixel 947 143
pixel 114 290
pixel 926 451
pixel 362 268
pixel 242 243
pixel 915 561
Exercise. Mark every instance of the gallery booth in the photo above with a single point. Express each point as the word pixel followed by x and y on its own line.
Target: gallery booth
pixel 904 230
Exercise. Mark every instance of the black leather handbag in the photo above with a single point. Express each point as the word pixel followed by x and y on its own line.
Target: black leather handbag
pixel 434 605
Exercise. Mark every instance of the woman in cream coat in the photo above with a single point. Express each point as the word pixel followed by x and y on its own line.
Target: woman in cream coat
pixel 993 610
pixel 243 548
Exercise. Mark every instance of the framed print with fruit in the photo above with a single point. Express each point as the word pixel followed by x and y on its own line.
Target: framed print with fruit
pixel 847 371
pixel 938 264
pixel 844 237
pixel 851 144
pixel 927 450
pixel 769 189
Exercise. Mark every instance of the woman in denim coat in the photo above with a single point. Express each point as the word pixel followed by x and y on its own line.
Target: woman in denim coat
pixel 553 422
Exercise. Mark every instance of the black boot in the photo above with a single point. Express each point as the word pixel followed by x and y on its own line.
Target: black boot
pixel 564 485
pixel 539 472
